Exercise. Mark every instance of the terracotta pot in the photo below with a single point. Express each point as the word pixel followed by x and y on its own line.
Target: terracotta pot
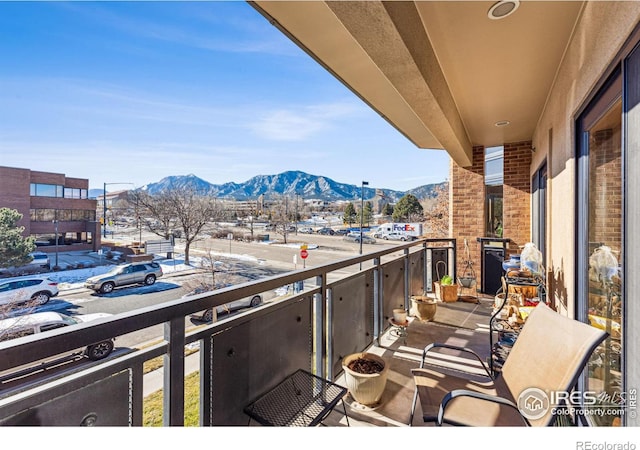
pixel 424 308
pixel 399 315
pixel 365 388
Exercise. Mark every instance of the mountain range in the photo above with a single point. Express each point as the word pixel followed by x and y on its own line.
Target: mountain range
pixel 286 183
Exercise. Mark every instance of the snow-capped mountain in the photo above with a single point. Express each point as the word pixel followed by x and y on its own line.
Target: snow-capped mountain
pixel 286 183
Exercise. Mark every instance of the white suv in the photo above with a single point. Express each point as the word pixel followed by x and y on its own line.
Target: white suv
pixel 35 290
pixel 29 324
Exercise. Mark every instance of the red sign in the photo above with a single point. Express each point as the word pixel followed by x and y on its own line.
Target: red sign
pixel 304 254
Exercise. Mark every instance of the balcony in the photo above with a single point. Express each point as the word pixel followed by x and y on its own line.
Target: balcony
pixel 244 356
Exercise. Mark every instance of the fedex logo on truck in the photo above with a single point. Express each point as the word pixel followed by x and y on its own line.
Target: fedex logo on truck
pixel 403 227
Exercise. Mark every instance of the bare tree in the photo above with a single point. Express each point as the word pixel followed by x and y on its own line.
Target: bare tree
pixel 183 209
pixel 281 215
pixel 155 212
pixel 436 212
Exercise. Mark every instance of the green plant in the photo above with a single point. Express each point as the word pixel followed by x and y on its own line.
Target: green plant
pixel 446 280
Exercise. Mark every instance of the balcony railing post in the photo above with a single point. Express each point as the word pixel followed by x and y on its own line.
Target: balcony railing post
pixel 329 334
pixel 377 298
pixel 425 265
pixel 319 330
pixel 173 390
pixel 205 381
pixel 406 278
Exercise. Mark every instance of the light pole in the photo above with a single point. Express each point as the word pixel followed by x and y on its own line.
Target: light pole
pixel 364 183
pixel 55 223
pixel 104 207
pixel 296 219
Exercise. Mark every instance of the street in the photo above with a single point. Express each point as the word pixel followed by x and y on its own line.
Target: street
pixel 243 261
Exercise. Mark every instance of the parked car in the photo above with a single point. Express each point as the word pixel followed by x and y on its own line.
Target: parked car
pixel 28 324
pixel 40 259
pixel 37 290
pixel 396 236
pixel 305 230
pixel 353 237
pixel 326 231
pixel 342 232
pixel 125 275
pixel 208 315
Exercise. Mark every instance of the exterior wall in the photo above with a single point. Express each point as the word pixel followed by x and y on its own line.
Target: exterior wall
pixel 600 33
pixel 13 185
pixel 15 194
pixel 467 211
pixel 517 195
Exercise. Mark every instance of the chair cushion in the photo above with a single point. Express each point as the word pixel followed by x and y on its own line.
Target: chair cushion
pixel 434 383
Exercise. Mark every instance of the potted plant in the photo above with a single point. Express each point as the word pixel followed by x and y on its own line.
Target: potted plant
pixel 423 307
pixel 446 291
pixel 365 377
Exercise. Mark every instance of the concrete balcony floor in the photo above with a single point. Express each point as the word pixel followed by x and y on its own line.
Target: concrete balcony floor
pixel 458 323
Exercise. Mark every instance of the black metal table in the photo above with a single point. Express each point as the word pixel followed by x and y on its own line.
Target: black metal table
pixel 300 400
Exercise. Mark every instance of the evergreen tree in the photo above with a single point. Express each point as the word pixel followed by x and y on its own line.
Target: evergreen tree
pixel 368 213
pixel 14 248
pixel 408 209
pixel 350 215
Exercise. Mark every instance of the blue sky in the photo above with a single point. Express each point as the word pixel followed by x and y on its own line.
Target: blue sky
pixel 136 91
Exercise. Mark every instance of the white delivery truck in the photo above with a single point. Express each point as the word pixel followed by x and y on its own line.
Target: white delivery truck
pixel 410 229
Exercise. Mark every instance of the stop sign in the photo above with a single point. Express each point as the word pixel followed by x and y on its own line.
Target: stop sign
pixel 304 254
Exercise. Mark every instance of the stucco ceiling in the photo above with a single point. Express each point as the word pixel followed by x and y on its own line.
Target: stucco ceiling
pixel 441 72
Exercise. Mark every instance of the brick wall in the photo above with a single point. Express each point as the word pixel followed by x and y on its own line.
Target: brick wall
pixel 517 195
pixel 14 193
pixel 467 209
pixel 467 200
pixel 605 189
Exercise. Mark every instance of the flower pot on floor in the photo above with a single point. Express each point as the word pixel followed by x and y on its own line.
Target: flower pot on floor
pixel 423 307
pixel 366 377
pixel 446 293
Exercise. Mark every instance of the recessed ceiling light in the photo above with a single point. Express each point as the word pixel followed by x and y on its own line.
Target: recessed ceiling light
pixel 502 123
pixel 503 9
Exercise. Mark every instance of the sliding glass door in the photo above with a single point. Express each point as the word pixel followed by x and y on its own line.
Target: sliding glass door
pixel 600 241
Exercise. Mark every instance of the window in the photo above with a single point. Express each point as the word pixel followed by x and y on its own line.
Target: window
pixel 52 326
pixel 46 190
pixel 493 179
pixel 75 193
pixel 63 215
pixel 539 207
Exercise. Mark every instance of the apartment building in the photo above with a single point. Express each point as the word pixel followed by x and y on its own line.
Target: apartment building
pixel 53 207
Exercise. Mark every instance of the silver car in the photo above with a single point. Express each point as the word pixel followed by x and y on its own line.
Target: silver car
pixel 125 275
pixel 209 315
pixel 355 237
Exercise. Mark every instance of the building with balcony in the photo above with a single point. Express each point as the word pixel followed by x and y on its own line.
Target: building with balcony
pixel 51 205
pixel 536 104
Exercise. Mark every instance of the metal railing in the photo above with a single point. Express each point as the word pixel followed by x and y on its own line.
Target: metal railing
pixel 239 358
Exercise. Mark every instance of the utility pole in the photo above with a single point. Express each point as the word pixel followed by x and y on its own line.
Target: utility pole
pixel 364 183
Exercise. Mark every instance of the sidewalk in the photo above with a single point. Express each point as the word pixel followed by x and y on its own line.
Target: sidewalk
pixel 153 381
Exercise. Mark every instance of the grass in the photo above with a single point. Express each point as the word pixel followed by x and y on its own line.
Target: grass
pixel 152 404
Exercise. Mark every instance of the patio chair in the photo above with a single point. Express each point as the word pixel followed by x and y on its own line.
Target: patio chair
pixel 549 355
